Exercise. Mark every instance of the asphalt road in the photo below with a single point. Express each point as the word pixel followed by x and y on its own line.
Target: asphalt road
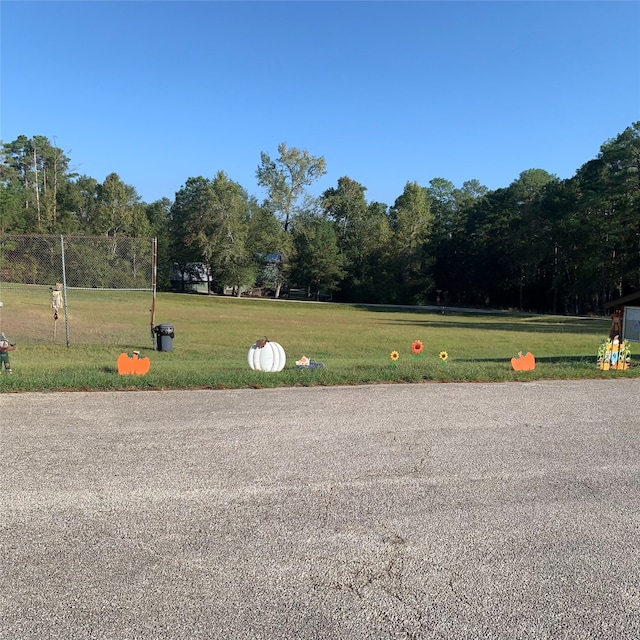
pixel 455 511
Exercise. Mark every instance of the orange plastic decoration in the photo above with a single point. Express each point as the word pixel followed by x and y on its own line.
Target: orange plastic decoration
pixel 133 365
pixel 523 363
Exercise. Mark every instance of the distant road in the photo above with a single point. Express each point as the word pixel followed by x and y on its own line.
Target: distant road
pixel 444 511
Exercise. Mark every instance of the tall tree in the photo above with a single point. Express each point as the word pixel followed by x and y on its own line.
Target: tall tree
pixel 378 267
pixel 159 216
pixel 286 178
pixel 34 171
pixel 569 267
pixel 444 201
pixel 230 257
pixel 190 214
pixel 411 220
pixel 12 218
pixel 317 262
pixel 346 206
pixel 527 242
pixel 117 211
pixel 265 241
pixel 364 238
pixel 504 242
pixel 450 245
pixel 210 226
pixel 79 201
pixel 620 188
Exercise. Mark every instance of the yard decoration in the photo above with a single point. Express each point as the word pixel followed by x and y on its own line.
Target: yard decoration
pixel 614 355
pixel 56 304
pixel 443 356
pixel 5 347
pixel 133 365
pixel 56 300
pixel 416 349
pixel 265 355
pixel 523 363
pixel 307 363
pixel 624 359
pixel 616 324
pixel 604 355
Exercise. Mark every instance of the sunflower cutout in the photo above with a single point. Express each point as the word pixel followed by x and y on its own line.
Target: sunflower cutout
pixel 444 356
pixel 394 355
pixel 416 349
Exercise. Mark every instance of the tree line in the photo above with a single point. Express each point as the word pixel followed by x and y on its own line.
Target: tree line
pixel 539 244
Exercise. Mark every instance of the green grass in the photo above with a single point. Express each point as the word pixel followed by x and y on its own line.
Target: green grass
pixel 213 336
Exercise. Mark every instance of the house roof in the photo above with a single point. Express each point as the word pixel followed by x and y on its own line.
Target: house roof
pixel 629 298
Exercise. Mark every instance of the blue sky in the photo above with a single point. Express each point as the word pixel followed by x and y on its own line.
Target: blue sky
pixel 387 92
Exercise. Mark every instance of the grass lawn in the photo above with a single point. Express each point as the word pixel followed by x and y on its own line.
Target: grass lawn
pixel 213 335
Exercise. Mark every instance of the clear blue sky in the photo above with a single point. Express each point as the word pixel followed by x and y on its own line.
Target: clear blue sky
pixel 387 92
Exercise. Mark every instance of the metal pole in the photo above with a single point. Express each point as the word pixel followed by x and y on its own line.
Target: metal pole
pixel 154 285
pixel 64 289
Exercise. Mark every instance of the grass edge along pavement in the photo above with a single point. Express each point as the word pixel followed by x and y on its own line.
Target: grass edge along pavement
pixel 214 334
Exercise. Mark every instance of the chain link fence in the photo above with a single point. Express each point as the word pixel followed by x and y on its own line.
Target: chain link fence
pixel 84 289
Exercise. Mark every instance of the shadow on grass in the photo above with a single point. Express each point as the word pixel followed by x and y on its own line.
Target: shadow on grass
pixel 590 360
pixel 500 320
pixel 578 325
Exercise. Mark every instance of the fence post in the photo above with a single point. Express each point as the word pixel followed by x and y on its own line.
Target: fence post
pixel 64 290
pixel 154 285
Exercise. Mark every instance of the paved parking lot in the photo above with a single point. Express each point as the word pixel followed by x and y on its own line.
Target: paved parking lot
pixel 389 511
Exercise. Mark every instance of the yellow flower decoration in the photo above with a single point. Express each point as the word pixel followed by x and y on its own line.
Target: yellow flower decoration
pixel 443 355
pixel 417 347
pixel 394 356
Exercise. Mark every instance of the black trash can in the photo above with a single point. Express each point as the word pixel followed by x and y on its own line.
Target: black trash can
pixel 164 335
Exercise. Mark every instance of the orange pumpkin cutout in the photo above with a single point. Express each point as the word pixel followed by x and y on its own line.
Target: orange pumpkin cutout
pixel 133 365
pixel 523 363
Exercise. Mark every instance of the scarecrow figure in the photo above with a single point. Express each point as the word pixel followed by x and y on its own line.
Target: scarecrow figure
pixel 56 305
pixel 5 347
pixel 56 300
pixel 616 324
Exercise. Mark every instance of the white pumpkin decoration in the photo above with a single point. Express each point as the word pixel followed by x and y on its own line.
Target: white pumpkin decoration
pixel 266 356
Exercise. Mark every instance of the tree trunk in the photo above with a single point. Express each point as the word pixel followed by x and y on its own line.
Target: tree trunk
pixel 35 184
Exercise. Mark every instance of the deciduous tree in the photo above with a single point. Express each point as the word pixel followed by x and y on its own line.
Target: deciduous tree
pixel 317 262
pixel 286 178
pixel 411 221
